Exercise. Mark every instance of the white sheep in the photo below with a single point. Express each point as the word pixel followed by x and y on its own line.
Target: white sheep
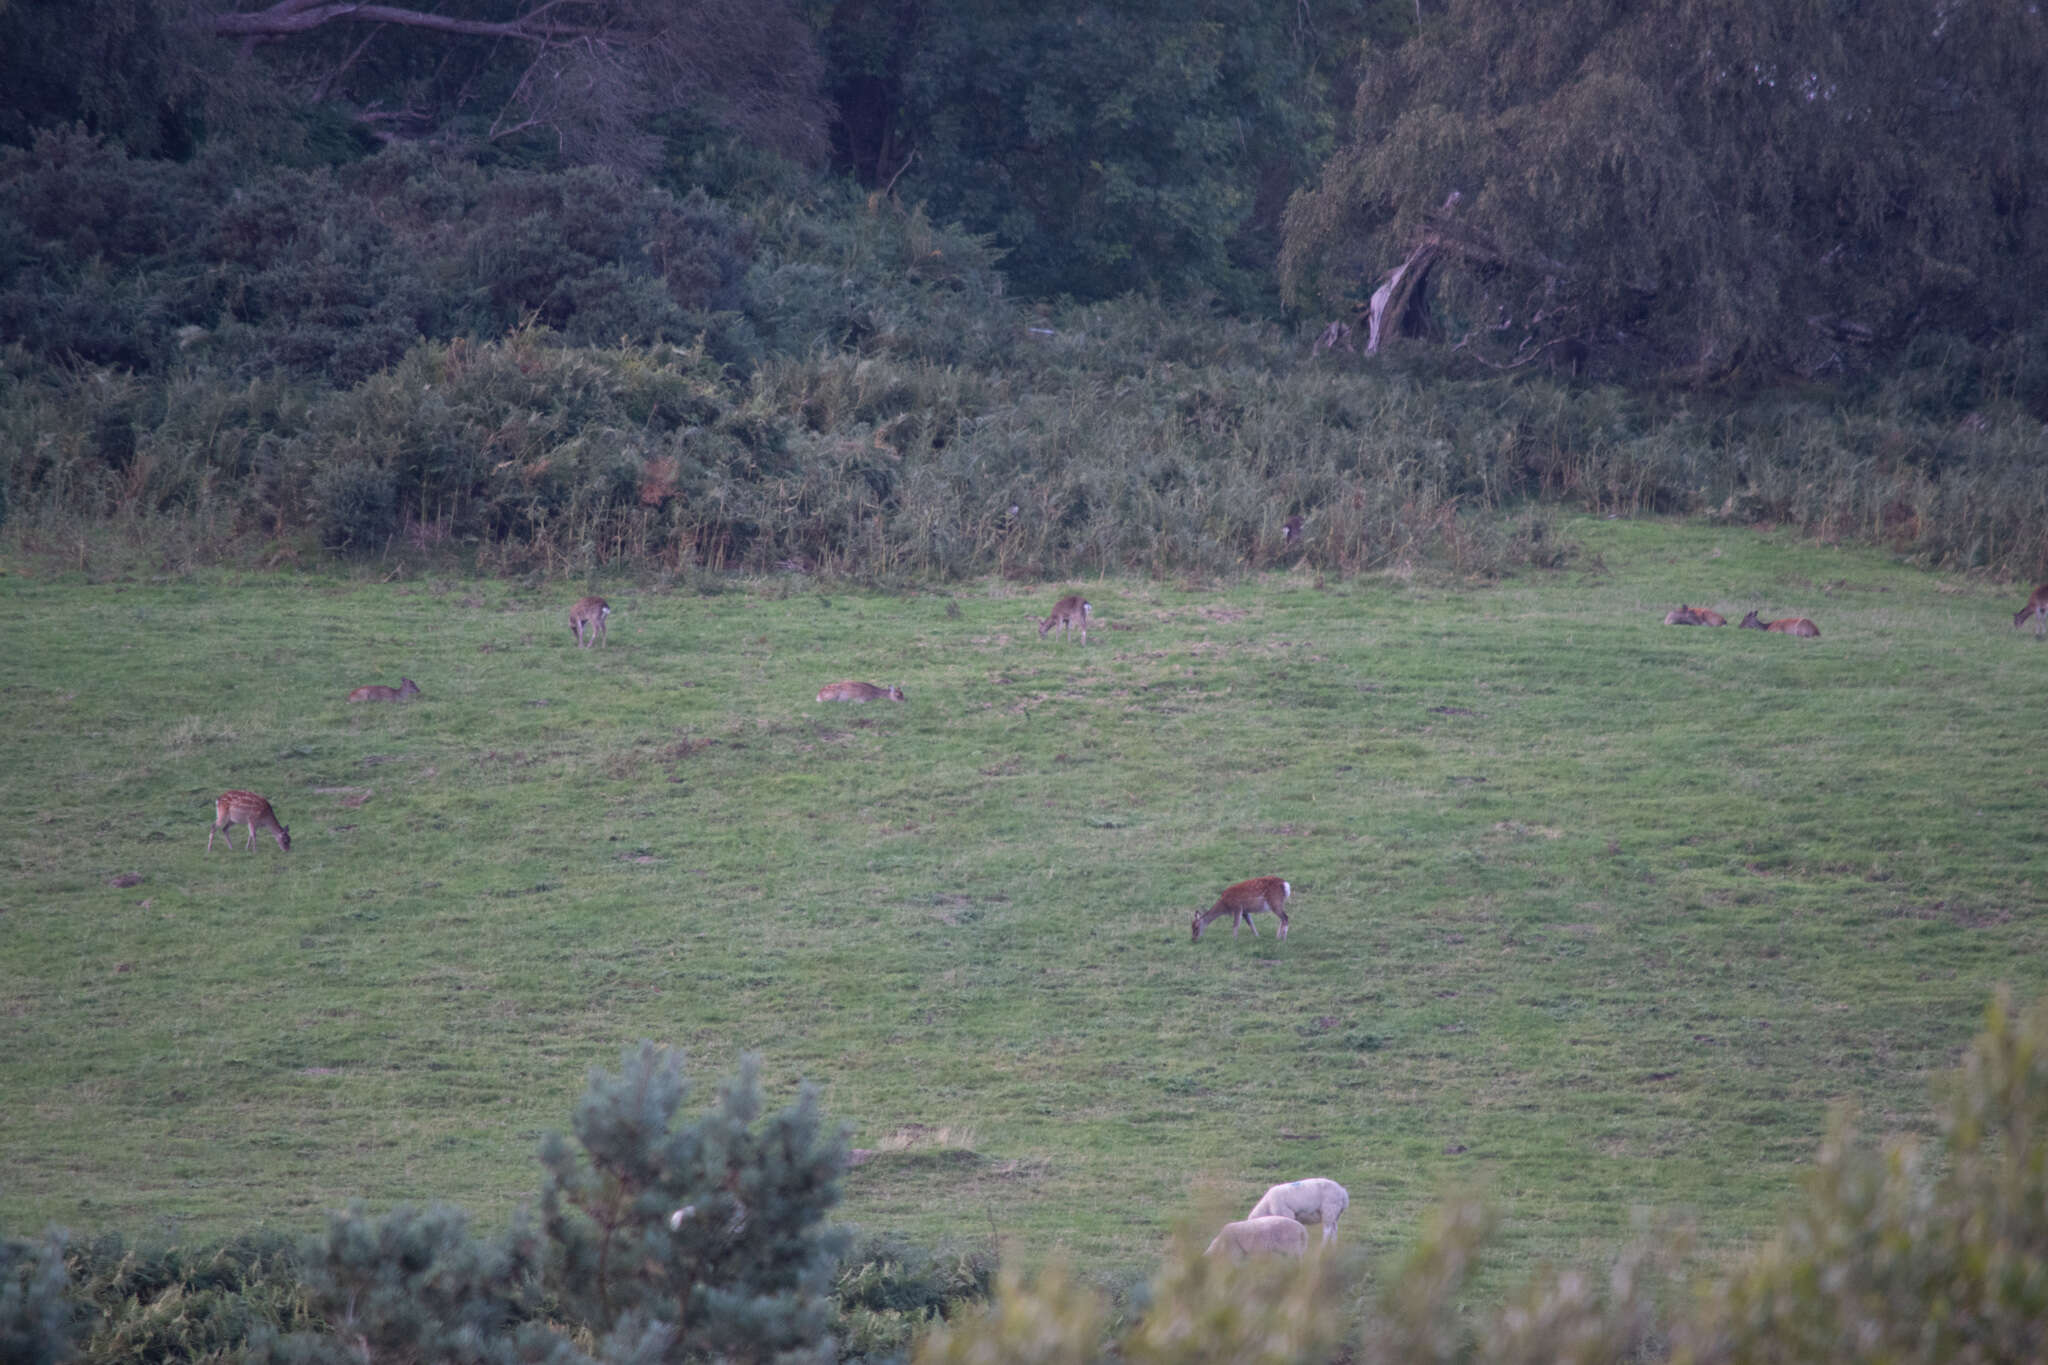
pixel 1260 1237
pixel 1314 1200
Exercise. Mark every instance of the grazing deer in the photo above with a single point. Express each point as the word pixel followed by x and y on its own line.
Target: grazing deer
pixel 2037 607
pixel 378 692
pixel 588 615
pixel 858 691
pixel 238 807
pixel 1244 900
pixel 1790 625
pixel 1069 613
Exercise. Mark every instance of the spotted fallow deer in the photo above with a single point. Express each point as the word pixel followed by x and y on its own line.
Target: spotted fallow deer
pixel 239 808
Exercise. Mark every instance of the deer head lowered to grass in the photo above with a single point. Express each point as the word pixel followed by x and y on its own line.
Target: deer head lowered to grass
pixel 1245 899
pixel 239 807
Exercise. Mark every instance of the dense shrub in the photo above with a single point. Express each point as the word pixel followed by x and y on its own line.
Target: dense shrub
pixel 334 273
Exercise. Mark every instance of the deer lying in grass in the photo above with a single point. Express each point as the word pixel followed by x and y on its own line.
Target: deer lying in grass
pixel 1069 613
pixel 1314 1200
pixel 1694 616
pixel 1790 625
pixel 239 807
pixel 588 615
pixel 858 691
pixel 378 692
pixel 2037 607
pixel 1260 1237
pixel 1244 900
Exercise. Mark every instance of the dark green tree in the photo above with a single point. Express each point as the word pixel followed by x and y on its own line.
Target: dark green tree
pixel 711 1235
pixel 1146 144
pixel 586 79
pixel 661 1240
pixel 112 66
pixel 1690 187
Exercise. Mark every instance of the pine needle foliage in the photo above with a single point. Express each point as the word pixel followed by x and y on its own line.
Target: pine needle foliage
pixel 713 1233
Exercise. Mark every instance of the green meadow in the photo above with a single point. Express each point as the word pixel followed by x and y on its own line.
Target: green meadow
pixel 1591 914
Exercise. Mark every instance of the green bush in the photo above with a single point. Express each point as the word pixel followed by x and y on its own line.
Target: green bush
pixel 356 505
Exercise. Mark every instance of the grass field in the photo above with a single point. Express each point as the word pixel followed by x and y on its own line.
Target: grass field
pixel 1592 913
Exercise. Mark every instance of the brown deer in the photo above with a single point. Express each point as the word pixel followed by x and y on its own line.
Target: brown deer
pixel 1683 616
pixel 378 692
pixel 1244 900
pixel 858 691
pixel 1790 625
pixel 2037 607
pixel 1069 613
pixel 1291 531
pixel 589 616
pixel 239 807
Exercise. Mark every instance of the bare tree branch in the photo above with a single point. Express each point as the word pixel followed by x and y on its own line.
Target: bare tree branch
pixel 598 72
pixel 545 22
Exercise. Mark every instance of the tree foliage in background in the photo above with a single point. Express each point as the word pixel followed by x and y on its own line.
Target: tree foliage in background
pixel 579 82
pixel 588 76
pixel 1692 187
pixel 1104 147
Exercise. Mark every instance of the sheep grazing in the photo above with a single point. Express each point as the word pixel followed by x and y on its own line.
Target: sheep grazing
pixel 1314 1200
pixel 1260 1237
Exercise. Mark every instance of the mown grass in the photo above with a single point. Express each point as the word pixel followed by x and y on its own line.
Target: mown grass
pixel 1592 912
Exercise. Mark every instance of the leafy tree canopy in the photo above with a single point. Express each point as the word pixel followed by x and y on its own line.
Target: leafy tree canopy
pixel 1691 186
pixel 1106 147
pixel 580 79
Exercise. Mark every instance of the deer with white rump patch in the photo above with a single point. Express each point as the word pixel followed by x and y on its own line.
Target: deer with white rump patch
pixel 1314 1200
pixel 1244 900
pixel 1069 613
pixel 1260 1237
pixel 589 615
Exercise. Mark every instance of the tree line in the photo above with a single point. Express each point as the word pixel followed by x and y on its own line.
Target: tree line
pixel 1679 191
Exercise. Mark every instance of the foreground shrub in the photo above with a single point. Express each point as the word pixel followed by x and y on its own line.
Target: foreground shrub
pixel 35 1320
pixel 1897 1254
pixel 1890 1256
